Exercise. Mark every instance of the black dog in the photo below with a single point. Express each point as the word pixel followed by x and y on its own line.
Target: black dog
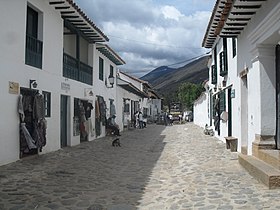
pixel 116 143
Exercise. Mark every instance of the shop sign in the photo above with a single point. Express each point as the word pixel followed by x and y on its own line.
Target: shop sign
pixel 65 86
pixel 13 87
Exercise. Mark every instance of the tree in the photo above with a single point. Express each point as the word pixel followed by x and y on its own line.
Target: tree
pixel 188 93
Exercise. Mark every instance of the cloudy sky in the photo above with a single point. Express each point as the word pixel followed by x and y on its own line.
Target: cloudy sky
pixel 151 33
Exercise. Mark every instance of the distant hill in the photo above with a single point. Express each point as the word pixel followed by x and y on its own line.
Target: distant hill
pixel 166 80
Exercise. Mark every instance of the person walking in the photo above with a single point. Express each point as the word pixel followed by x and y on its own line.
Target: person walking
pixel 136 116
pixel 140 120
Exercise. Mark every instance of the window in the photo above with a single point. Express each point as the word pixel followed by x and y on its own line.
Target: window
pixel 34 47
pixel 214 74
pixel 223 68
pixel 222 96
pixel 32 23
pixel 233 47
pixel 47 103
pixel 126 108
pixel 223 59
pixel 111 70
pixel 101 69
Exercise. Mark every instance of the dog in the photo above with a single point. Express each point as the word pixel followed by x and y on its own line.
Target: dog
pixel 116 143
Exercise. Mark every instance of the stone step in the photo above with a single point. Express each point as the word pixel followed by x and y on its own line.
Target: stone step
pixel 260 170
pixel 271 157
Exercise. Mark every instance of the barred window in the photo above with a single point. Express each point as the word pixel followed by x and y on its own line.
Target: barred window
pixel 47 103
pixel 101 69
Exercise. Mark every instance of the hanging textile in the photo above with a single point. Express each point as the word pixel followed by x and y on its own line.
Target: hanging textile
pixel 102 107
pixel 38 107
pixel 112 108
pixel 97 119
pixel 82 120
pixel 32 121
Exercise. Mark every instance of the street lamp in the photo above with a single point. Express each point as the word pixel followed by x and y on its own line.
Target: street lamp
pixel 111 80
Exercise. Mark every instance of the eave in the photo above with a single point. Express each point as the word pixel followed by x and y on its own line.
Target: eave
pixel 229 18
pixel 131 88
pixel 71 12
pixel 110 54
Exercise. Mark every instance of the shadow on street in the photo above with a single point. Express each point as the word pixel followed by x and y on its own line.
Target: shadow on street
pixel 92 175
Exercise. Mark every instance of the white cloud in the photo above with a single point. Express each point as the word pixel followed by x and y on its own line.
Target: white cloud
pixel 171 12
pixel 148 35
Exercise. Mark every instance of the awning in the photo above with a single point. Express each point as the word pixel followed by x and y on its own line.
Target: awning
pixel 71 12
pixel 229 18
pixel 110 54
pixel 131 88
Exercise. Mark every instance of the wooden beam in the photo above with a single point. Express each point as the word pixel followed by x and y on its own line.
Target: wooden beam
pixel 243 13
pixel 236 24
pixel 247 6
pixel 66 7
pixel 239 19
pixel 233 28
pixel 67 12
pixel 70 16
pixel 79 24
pixel 75 21
pixel 56 2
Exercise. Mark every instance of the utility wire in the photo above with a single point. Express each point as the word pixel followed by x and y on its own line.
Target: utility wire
pixel 131 71
pixel 150 43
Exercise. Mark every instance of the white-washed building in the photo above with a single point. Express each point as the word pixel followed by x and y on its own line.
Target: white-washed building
pixel 136 95
pixel 49 55
pixel 201 108
pixel 244 37
pixel 105 88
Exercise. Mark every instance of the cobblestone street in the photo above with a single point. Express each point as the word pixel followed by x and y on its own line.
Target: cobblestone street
pixel 173 167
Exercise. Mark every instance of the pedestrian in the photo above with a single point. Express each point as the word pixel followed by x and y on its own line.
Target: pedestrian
pixel 140 120
pixel 165 118
pixel 170 117
pixel 136 116
pixel 111 124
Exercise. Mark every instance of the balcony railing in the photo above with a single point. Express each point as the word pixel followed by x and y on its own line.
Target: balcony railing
pixel 33 52
pixel 76 70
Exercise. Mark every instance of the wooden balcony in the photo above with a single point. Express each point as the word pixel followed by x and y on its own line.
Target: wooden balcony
pixel 33 52
pixel 76 70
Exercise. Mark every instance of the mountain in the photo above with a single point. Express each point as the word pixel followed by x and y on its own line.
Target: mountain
pixel 167 80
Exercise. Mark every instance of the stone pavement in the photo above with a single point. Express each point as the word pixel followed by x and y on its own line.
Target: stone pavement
pixel 157 168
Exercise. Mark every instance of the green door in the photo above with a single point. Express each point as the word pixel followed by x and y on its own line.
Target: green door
pixel 63 121
pixel 278 96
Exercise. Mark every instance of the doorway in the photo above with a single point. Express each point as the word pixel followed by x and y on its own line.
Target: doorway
pixel 63 120
pixel 28 145
pixel 277 139
pixel 229 113
pixel 244 115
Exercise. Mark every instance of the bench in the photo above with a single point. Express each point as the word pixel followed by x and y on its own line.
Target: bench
pixel 231 143
pixel 109 132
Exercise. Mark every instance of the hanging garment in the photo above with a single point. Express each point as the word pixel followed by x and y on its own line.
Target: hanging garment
pixel 97 119
pixel 88 107
pixel 97 110
pixel 30 142
pixel 83 121
pixel 20 108
pixel 40 133
pixel 103 107
pixel 90 128
pixel 112 109
pixel 38 107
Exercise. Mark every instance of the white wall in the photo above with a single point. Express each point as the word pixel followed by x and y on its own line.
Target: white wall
pixel 257 53
pixel 13 67
pixel 200 110
pixel 101 89
pixel 49 78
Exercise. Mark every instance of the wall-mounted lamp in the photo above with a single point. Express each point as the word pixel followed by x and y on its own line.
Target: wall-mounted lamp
pixel 33 83
pixel 111 80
